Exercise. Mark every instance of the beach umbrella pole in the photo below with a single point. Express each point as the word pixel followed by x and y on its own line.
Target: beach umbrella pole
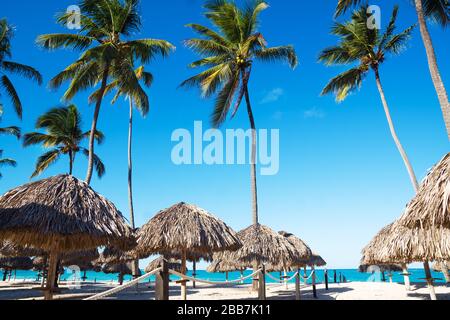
pixel 51 277
pixel 429 279
pixel 313 270
pixel 194 272
pixel 183 281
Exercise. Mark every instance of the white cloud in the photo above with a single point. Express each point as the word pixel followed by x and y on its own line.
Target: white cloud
pixel 315 113
pixel 272 96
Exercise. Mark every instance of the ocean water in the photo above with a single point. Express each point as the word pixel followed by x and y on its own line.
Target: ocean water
pixel 351 275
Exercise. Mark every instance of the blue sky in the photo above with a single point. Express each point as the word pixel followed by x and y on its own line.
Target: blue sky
pixel 341 178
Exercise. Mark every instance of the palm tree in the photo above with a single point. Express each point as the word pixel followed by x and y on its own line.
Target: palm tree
pixel 228 54
pixel 367 48
pixel 438 11
pixel 64 136
pixel 135 97
pixel 7 66
pixel 106 27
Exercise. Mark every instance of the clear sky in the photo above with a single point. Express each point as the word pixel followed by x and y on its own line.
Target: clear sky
pixel 341 178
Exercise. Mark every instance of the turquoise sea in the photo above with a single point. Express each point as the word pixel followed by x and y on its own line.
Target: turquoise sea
pixel 351 275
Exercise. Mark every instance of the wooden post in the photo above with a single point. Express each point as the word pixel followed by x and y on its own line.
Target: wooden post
pixel 226 276
pixel 313 270
pixel 390 277
pixel 286 279
pixel 262 284
pixel 51 277
pixel 194 272
pixel 406 277
pixel 305 277
pixel 429 278
pixel 326 279
pixel 335 276
pixel 162 283
pixel 297 285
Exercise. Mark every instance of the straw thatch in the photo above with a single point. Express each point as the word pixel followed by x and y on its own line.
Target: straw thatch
pixel 16 263
pixel 398 244
pixel 113 255
pixel 157 263
pixel 381 268
pixel 85 260
pixel 440 266
pixel 431 206
pixel 40 263
pixel 261 245
pixel 186 229
pixel 120 268
pixel 9 249
pixel 303 252
pixel 221 266
pixel 61 214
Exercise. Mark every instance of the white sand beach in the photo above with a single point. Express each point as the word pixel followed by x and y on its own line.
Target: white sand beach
pixel 345 291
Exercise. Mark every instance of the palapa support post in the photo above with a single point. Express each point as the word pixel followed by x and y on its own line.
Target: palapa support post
pixel 183 281
pixel 262 284
pixel 326 280
pixel 313 270
pixel 335 276
pixel 406 277
pixel 297 285
pixel 162 282
pixel 51 277
pixel 429 279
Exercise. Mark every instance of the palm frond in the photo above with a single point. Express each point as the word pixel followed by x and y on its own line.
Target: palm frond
pixel 98 164
pixel 23 70
pixel 60 40
pixel 13 131
pixel 283 53
pixel 343 84
pixel 45 161
pixel 7 85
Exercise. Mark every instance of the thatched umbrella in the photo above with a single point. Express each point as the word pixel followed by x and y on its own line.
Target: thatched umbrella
pixel 185 229
pixel 8 248
pixel 157 263
pixel 222 266
pixel 261 245
pixel 9 264
pixel 61 214
pixel 84 260
pixel 121 269
pixel 431 206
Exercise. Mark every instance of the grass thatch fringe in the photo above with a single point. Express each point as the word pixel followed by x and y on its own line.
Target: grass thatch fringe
pixel 261 245
pixel 430 208
pixel 7 248
pixel 439 266
pixel 398 244
pixel 220 266
pixel 16 263
pixel 185 227
pixel 61 214
pixel 157 263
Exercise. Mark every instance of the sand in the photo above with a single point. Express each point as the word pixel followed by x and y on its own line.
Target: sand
pixel 347 291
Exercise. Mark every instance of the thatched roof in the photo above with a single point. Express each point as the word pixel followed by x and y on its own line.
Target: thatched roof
pixel 7 248
pixel 61 214
pixel 111 255
pixel 382 268
pixel 85 260
pixel 398 244
pixel 261 245
pixel 220 266
pixel 16 263
pixel 157 263
pixel 316 260
pixel 123 268
pixel 431 206
pixel 185 227
pixel 39 263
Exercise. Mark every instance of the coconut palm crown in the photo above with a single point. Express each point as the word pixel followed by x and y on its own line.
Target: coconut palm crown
pixel 228 53
pixel 10 67
pixel 64 137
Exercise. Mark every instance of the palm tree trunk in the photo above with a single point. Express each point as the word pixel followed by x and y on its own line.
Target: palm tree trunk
pixel 400 148
pixel 94 125
pixel 432 63
pixel 135 264
pixel 408 166
pixel 254 189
